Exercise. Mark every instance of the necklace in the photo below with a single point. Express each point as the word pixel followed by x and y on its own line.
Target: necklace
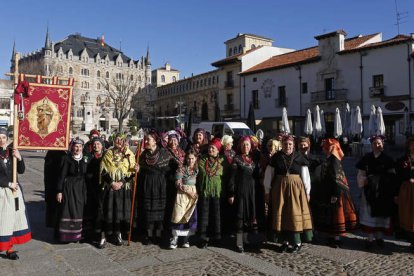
pixel 215 166
pixel 6 156
pixel 151 160
pixel 287 159
pixel 247 159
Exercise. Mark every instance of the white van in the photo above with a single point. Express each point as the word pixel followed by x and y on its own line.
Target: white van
pixel 223 128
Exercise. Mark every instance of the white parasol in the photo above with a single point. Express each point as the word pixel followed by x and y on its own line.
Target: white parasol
pixel 372 123
pixel 347 120
pixel 285 122
pixel 337 124
pixel 380 122
pixel 308 123
pixel 317 122
pixel 357 127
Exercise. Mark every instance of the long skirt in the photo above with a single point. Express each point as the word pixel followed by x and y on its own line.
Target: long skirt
pixel 14 226
pixel 290 208
pixel 184 215
pixel 152 199
pixel 209 223
pixel 406 209
pixel 116 208
pixel 337 218
pixel 369 223
pixel 71 209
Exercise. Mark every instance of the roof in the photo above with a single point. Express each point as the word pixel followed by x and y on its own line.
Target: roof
pixel 78 43
pixel 342 32
pixel 302 56
pixel 389 42
pixel 164 68
pixel 253 35
pixel 233 58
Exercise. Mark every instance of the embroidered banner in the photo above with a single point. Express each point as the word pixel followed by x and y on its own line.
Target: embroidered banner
pixel 46 117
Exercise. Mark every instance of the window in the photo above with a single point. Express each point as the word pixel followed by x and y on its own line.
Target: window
pixel 4 103
pixel 107 75
pixel 214 80
pixel 84 72
pixel 230 51
pixel 209 81
pixel 205 82
pixel 119 76
pixel 229 102
pixel 98 86
pixel 254 79
pixel 195 106
pixel 282 96
pixel 139 78
pixel 201 83
pixel 174 79
pixel 98 100
pixel 131 77
pixel 162 78
pixel 253 46
pixel 378 81
pixel 79 113
pixel 329 89
pixel 304 87
pixel 83 98
pixel 107 102
pixel 255 99
pixel 70 71
pixel 98 74
pixel 240 49
pixel 235 50
pixel 229 75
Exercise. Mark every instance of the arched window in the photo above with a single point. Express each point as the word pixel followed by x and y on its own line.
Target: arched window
pixel 98 86
pixel 107 102
pixel 83 98
pixel 139 78
pixel 70 71
pixel 131 77
pixel 230 51
pixel 240 49
pixel 174 78
pixel 98 74
pixel 253 46
pixel 235 50
pixel 98 100
pixel 107 75
pixel 162 78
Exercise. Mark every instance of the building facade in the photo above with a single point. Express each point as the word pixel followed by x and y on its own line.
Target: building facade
pixel 6 103
pixel 361 71
pixel 164 75
pixel 93 64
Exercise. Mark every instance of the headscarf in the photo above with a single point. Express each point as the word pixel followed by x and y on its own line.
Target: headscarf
pixel 288 138
pixel 202 131
pixel 240 144
pixel 94 132
pixel 216 143
pixel 77 140
pixel 254 142
pixel 173 134
pixel 154 134
pixel 4 131
pixel 98 139
pixel 332 145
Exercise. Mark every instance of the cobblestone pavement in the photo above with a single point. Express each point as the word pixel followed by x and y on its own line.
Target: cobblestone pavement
pixel 43 257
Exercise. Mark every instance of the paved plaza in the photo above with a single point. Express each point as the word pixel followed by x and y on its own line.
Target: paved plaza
pixel 44 257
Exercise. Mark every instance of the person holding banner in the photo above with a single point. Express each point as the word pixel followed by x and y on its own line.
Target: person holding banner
pixel 71 193
pixel 117 171
pixel 14 226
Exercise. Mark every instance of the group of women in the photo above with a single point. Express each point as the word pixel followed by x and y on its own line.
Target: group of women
pixel 211 187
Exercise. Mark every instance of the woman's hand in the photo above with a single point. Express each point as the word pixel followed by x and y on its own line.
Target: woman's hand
pixel 16 154
pixel 13 186
pixel 136 168
pixel 231 200
pixel 59 197
pixel 334 199
pixel 116 186
pixel 411 180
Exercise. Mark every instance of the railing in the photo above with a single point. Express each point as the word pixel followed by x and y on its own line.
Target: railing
pixel 229 84
pixel 330 95
pixel 377 91
pixel 281 102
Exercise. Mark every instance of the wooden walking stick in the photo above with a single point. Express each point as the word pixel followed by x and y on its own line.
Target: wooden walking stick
pixel 138 154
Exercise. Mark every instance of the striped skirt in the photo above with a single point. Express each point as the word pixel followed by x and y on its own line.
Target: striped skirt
pixel 289 205
pixel 14 226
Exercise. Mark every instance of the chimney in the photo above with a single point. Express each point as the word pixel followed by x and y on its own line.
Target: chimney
pixel 336 39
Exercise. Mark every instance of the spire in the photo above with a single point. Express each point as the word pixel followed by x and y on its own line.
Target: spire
pixel 148 56
pixel 48 44
pixel 14 51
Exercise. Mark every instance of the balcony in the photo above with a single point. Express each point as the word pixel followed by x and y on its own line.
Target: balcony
pixel 335 95
pixel 283 102
pixel 229 84
pixel 376 91
pixel 228 107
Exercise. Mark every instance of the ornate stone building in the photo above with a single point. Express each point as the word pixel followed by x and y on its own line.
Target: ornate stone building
pixel 92 64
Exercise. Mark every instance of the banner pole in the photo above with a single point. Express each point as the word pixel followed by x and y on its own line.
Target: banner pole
pixel 15 126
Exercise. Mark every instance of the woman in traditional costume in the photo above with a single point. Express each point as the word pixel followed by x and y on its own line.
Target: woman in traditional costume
pixel 93 215
pixel 333 212
pixel 376 175
pixel 405 173
pixel 184 216
pixel 199 142
pixel 117 170
pixel 287 179
pixel 14 226
pixel 154 164
pixel 71 193
pixel 242 190
pixel 227 212
pixel 209 190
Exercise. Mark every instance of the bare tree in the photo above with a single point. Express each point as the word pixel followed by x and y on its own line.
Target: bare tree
pixel 120 91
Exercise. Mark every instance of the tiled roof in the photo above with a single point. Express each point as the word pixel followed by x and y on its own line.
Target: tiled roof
pixel 93 46
pixel 302 56
pixel 330 34
pixel 233 58
pixel 395 40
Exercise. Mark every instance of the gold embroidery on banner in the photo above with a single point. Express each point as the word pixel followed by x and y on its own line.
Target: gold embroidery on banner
pixel 43 117
pixel 63 94
pixel 60 142
pixel 24 141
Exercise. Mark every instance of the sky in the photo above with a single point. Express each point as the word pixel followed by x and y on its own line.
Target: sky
pixel 190 34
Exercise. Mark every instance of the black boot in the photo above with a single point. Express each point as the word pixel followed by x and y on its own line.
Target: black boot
pixel 239 242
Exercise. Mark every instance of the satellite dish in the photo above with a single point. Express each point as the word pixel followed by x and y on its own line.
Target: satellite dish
pixel 259 134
